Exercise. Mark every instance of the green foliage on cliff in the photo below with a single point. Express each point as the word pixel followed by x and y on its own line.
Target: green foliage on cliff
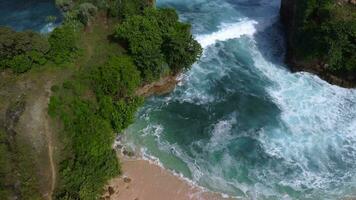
pixel 17 177
pixel 89 161
pixel 90 126
pixel 21 51
pixel 157 39
pixel 98 100
pixel 119 77
pixel 326 30
pixel 63 44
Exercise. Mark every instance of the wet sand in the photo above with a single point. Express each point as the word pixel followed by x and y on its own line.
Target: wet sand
pixel 143 180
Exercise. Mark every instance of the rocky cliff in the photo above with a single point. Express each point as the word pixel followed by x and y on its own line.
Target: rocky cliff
pixel 294 17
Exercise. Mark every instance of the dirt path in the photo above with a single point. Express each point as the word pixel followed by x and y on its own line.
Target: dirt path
pixel 35 125
pixel 49 133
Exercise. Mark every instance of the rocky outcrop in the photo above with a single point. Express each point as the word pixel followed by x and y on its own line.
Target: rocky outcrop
pixel 317 66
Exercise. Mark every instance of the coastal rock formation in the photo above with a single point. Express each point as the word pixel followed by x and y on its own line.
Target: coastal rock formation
pixel 292 14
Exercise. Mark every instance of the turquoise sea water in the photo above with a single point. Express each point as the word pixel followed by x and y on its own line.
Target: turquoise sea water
pixel 240 122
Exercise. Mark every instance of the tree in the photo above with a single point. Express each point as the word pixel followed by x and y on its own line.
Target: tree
pixel 128 8
pixel 180 48
pixel 118 78
pixel 157 39
pixel 63 44
pixel 20 51
pixel 20 63
pixel 144 43
pixel 86 13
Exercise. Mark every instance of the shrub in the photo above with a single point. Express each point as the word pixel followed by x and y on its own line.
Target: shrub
pixel 156 39
pixel 128 8
pixel 20 63
pixel 326 31
pixel 86 13
pixel 119 77
pixel 144 42
pixel 63 44
pixel 20 50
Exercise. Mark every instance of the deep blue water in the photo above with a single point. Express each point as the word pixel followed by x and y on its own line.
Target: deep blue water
pixel 28 14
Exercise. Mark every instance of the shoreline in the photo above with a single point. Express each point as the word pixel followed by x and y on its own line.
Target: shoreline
pixel 144 179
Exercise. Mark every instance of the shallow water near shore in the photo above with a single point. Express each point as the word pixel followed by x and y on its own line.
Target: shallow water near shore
pixel 240 122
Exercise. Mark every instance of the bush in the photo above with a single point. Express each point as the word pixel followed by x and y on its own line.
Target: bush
pixel 128 8
pixel 91 161
pixel 156 39
pixel 20 63
pixel 119 77
pixel 21 50
pixel 326 31
pixel 120 113
pixel 63 44
pixel 144 42
pixel 86 13
pixel 180 49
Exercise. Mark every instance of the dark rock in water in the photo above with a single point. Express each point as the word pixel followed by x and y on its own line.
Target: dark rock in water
pixel 119 146
pixel 128 153
pixel 119 138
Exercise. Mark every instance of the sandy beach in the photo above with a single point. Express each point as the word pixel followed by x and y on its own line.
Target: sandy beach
pixel 144 180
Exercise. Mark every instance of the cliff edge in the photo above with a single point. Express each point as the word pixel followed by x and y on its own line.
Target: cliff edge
pixel 321 38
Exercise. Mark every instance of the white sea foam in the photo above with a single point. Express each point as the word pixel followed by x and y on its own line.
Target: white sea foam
pixel 227 32
pixel 48 28
pixel 315 126
pixel 221 132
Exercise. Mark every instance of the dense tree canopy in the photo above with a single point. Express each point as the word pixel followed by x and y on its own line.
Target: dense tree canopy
pixel 119 77
pixel 86 13
pixel 144 42
pixel 156 39
pixel 327 30
pixel 63 44
pixel 22 50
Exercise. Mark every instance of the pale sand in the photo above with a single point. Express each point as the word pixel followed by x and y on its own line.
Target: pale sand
pixel 147 181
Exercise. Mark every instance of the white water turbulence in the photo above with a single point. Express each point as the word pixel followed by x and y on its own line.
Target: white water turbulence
pixel 241 123
pixel 228 31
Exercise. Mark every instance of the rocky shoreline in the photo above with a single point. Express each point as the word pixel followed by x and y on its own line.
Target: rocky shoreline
pixel 163 86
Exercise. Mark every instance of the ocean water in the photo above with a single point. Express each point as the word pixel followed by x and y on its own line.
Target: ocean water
pixel 240 122
pixel 29 15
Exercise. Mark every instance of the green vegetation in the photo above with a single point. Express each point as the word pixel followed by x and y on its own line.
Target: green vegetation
pixel 16 163
pixel 63 45
pixel 107 65
pixel 157 39
pixel 119 77
pixel 327 31
pixel 90 124
pixel 21 51
pixel 129 8
pixel 5 165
